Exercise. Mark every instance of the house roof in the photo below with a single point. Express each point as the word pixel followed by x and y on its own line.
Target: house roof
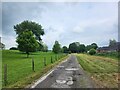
pixel 113 47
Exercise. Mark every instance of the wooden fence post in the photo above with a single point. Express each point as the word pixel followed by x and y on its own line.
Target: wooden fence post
pixel 44 61
pixel 51 60
pixel 5 74
pixel 33 65
pixel 55 57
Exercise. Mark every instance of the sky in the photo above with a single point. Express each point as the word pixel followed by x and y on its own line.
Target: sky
pixel 66 22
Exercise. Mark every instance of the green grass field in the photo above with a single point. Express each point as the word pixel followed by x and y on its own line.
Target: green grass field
pixel 19 67
pixel 113 55
pixel 103 70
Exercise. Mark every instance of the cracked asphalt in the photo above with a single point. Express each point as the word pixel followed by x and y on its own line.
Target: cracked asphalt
pixel 68 74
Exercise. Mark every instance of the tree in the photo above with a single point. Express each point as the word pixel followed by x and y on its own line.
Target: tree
pixel 45 48
pixel 74 47
pixel 112 42
pixel 56 47
pixel 81 48
pixel 65 49
pixel 88 47
pixel 92 51
pixel 13 48
pixel 31 26
pixel 94 45
pixel 27 42
pixel 42 47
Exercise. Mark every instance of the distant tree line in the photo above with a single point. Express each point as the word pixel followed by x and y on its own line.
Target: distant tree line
pixel 75 47
pixel 29 40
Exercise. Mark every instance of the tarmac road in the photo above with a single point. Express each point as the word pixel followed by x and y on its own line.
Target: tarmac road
pixel 69 74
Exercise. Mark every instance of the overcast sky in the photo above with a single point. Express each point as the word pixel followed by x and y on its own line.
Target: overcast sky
pixel 84 22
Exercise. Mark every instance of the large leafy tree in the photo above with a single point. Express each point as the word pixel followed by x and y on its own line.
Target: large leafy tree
pixel 94 45
pixel 31 26
pixel 27 42
pixel 81 48
pixel 56 47
pixel 74 47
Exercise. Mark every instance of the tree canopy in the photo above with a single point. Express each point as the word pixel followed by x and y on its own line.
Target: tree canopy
pixel 74 47
pixel 81 48
pixel 27 42
pixel 42 47
pixel 65 49
pixel 56 47
pixel 31 26
pixel 93 45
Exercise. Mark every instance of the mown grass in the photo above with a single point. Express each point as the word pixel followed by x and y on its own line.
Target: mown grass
pixel 104 71
pixel 19 67
pixel 113 55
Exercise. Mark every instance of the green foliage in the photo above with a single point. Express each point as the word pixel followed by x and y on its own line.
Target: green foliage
pixel 31 26
pixel 56 47
pixel 42 47
pixel 45 48
pixel 93 45
pixel 13 48
pixel 81 48
pixel 112 42
pixel 109 54
pixel 69 52
pixel 65 49
pixel 74 47
pixel 27 42
pixel 92 51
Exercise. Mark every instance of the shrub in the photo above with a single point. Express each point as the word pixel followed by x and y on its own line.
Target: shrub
pixel 13 48
pixel 92 51
pixel 69 52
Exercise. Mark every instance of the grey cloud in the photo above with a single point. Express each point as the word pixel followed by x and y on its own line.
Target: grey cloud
pixel 15 12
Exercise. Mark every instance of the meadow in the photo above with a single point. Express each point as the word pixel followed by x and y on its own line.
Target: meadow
pixel 19 67
pixel 103 70
pixel 113 55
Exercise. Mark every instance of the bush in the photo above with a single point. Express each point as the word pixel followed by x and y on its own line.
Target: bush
pixel 69 52
pixel 92 51
pixel 13 48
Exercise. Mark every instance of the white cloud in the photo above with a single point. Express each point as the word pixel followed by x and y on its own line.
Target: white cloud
pixel 106 24
pixel 9 41
pixel 52 35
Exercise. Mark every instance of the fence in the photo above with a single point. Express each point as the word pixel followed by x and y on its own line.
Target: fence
pixel 52 60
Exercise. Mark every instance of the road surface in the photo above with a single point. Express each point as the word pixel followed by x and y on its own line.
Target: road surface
pixel 69 74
